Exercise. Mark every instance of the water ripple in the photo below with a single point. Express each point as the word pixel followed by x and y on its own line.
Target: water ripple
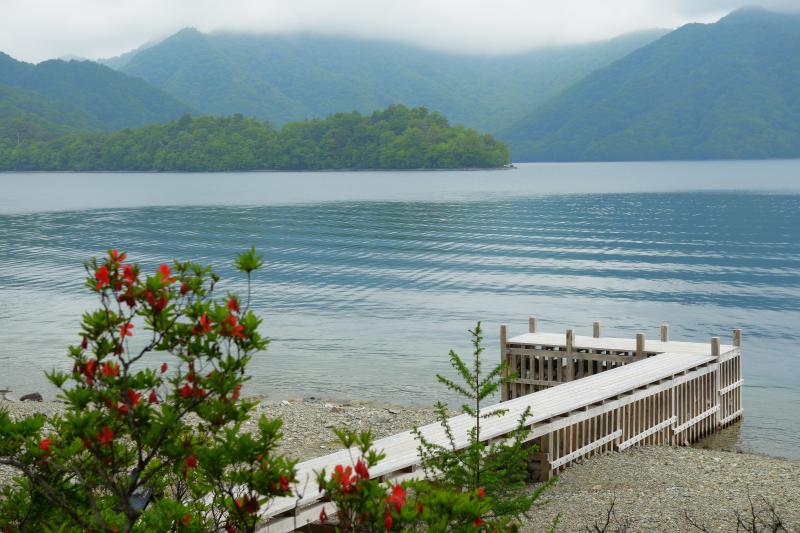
pixel 365 298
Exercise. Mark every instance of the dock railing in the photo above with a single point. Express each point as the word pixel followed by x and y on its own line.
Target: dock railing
pixel 677 409
pixel 587 395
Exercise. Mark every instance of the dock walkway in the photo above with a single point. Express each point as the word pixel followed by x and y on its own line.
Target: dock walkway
pixel 594 395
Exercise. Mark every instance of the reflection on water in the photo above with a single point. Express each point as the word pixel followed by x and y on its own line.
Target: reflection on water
pixel 364 298
pixel 728 439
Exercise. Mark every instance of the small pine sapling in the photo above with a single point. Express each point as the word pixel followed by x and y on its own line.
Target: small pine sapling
pixel 498 469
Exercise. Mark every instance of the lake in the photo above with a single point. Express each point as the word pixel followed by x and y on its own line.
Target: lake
pixel 373 276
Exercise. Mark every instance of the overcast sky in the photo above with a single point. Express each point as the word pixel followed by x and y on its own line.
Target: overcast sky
pixel 34 30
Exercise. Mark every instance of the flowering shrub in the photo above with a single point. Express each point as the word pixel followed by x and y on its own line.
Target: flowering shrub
pixel 148 444
pixel 363 503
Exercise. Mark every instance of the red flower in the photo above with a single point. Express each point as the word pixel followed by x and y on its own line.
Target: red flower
pixel 164 367
pixel 420 508
pixel 116 257
pixel 109 369
pixel 187 518
pixel 89 369
pixel 105 436
pixel 184 288
pixel 239 502
pixel 284 481
pixel 158 305
pixel 44 445
pixel 134 397
pixel 236 392
pixel 122 408
pixel 127 298
pixel 153 398
pixel 398 497
pixel 101 275
pixel 205 325
pixel 481 492
pixel 190 377
pixel 233 304
pixel 129 274
pixel 185 391
pixel 477 522
pixel 344 476
pixel 387 520
pixel 125 330
pixel 361 469
pixel 232 328
pixel 191 461
pixel 165 273
pixel 323 516
pixel 84 343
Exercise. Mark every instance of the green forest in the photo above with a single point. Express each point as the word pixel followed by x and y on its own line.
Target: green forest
pixel 729 90
pixel 394 138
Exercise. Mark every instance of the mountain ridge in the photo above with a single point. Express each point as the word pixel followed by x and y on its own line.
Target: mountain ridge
pixel 284 78
pixel 726 90
pixel 99 97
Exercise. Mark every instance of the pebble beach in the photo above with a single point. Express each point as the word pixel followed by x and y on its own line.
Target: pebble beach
pixel 653 488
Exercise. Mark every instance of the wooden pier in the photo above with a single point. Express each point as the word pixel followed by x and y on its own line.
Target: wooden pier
pixel 588 395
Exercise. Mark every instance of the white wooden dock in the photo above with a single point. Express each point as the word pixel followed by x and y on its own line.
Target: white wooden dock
pixel 588 395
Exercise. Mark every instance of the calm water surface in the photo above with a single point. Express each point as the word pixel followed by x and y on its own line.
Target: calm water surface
pixel 373 276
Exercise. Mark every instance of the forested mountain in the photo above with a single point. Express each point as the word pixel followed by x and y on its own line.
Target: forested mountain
pixel 727 90
pixel 290 77
pixel 61 95
pixel 395 138
pixel 28 115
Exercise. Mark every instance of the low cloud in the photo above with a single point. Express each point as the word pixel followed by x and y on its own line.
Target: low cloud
pixel 35 30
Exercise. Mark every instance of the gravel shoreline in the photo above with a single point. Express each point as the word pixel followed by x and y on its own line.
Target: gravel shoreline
pixel 653 487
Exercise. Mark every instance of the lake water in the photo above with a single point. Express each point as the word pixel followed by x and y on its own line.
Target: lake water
pixel 373 276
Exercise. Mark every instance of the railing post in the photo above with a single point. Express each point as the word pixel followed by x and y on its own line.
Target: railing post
pixel 504 359
pixel 639 346
pixel 531 324
pixel 596 329
pixel 665 332
pixel 737 368
pixel 717 381
pixel 545 472
pixel 570 366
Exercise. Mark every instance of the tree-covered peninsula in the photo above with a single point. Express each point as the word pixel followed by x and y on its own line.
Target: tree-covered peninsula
pixel 394 138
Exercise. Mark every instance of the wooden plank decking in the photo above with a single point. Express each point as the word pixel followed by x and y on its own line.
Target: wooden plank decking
pixel 678 393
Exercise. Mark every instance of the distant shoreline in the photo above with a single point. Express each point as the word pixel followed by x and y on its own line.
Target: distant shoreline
pixel 510 166
pixel 270 171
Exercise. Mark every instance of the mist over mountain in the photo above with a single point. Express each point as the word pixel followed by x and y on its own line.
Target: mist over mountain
pixel 282 78
pixel 729 90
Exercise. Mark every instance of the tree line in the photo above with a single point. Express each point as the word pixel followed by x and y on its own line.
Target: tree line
pixel 394 138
